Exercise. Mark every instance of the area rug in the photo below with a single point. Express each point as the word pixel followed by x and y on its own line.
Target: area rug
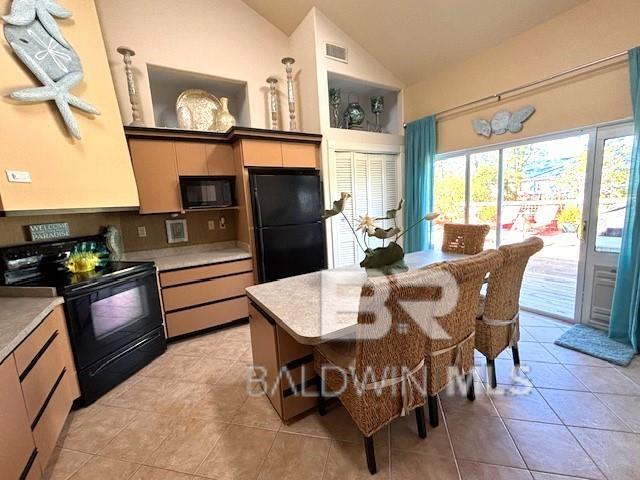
pixel 596 343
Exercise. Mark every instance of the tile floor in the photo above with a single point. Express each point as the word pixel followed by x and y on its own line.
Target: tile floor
pixel 187 416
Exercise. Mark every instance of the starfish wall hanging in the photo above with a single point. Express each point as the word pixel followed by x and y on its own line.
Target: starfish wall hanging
pixel 37 41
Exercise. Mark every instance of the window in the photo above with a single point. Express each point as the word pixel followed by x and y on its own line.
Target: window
pixel 449 194
pixel 523 190
pixel 614 186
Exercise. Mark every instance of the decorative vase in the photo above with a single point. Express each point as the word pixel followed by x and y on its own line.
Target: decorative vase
pixel 224 120
pixel 354 114
pixel 385 260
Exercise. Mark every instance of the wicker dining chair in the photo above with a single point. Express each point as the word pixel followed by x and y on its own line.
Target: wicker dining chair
pixel 383 377
pixel 498 323
pixel 464 238
pixel 450 341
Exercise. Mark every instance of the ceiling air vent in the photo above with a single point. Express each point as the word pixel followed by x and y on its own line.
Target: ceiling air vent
pixel 335 52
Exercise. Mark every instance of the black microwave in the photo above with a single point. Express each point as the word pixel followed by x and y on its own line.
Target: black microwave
pixel 207 192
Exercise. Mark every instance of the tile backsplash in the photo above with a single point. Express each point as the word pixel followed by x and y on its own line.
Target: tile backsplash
pixel 13 229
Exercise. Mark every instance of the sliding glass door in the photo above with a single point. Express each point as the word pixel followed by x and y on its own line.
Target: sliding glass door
pixel 544 187
pixel 609 192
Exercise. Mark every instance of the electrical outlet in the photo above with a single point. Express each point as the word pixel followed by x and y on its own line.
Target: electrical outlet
pixel 18 176
pixel 212 224
pixel 142 232
pixel 223 225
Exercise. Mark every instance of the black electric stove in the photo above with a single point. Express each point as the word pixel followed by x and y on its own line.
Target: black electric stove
pixel 113 313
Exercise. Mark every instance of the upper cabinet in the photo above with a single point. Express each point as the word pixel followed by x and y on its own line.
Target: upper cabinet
pixel 261 153
pixel 191 158
pixel 91 173
pixel 161 156
pixel 154 162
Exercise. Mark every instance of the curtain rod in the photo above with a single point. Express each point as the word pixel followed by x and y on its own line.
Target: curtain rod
pixel 498 96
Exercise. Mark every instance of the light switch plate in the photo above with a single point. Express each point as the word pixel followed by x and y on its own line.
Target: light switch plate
pixel 18 176
pixel 142 232
pixel 223 225
pixel 212 224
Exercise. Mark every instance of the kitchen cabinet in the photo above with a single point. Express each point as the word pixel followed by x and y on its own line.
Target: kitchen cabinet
pixel 266 153
pixel 17 447
pixel 191 158
pixel 154 164
pixel 261 153
pixel 276 351
pixel 198 298
pixel 220 159
pixel 38 384
pixel 299 155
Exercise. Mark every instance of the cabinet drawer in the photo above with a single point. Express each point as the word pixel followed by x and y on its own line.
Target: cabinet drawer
pixel 294 405
pixel 34 472
pixel 49 426
pixel 300 155
pixel 177 277
pixel 42 377
pixel 199 318
pixel 16 442
pixel 205 292
pixel 261 153
pixel 54 324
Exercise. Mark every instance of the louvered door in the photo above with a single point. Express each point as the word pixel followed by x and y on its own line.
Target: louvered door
pixel 373 181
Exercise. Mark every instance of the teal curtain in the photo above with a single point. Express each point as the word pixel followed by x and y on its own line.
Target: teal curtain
pixel 625 312
pixel 420 154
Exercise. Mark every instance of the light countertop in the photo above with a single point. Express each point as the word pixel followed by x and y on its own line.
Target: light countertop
pixel 174 258
pixel 19 316
pixel 321 306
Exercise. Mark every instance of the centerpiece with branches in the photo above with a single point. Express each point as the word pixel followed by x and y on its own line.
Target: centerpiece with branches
pixel 389 258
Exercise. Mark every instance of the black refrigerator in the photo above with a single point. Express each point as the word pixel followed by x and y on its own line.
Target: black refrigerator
pixel 289 230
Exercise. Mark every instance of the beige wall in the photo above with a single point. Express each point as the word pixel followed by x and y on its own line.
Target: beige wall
pixel 93 172
pixel 588 32
pixel 361 66
pixel 223 38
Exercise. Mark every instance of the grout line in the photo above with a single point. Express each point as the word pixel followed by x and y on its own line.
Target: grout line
pixel 446 426
pixel 215 444
pixel 566 427
pixel 326 460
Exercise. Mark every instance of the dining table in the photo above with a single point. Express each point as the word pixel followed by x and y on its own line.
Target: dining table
pixel 288 317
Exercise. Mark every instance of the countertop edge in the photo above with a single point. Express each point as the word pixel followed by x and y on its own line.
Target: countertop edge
pixel 311 341
pixel 204 263
pixel 29 328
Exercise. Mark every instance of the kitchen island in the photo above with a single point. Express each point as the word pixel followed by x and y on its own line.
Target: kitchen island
pixel 287 317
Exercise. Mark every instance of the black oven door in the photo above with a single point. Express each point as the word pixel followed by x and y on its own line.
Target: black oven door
pixel 110 315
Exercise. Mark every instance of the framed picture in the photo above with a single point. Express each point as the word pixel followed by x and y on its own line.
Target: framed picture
pixel 177 231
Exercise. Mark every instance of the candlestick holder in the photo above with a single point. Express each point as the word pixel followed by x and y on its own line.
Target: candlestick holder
pixel 288 63
pixel 134 99
pixel 273 101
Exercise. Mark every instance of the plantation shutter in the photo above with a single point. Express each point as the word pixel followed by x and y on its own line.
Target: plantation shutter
pixel 373 181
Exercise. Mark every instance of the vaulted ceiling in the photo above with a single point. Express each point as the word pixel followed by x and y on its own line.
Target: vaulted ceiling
pixel 415 38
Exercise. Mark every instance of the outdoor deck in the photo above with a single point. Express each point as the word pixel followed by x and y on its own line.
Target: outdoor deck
pixel 550 286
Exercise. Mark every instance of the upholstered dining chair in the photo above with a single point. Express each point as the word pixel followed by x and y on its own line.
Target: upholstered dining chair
pixel 449 344
pixel 380 376
pixel 464 238
pixel 498 322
